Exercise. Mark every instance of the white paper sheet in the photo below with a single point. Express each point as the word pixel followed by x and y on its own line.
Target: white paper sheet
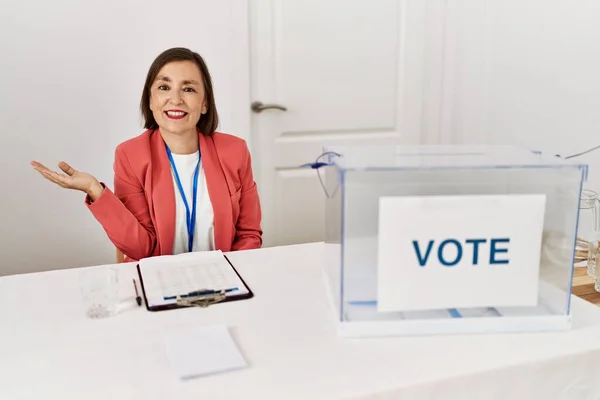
pixel 168 276
pixel 473 271
pixel 203 351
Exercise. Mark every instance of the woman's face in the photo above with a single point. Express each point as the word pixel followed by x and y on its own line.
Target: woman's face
pixel 177 97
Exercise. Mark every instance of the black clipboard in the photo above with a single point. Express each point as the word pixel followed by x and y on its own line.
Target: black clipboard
pixel 174 306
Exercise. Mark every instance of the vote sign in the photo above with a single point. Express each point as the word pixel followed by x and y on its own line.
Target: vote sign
pixel 438 252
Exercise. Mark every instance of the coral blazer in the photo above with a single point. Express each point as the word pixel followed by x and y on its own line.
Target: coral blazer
pixel 139 216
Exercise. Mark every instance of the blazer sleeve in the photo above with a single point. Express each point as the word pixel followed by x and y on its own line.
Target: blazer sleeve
pixel 124 214
pixel 248 232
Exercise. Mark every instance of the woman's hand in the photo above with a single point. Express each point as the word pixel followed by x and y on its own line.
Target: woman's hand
pixel 71 179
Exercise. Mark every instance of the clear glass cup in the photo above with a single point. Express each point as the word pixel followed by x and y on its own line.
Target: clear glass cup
pixel 100 290
pixel 588 229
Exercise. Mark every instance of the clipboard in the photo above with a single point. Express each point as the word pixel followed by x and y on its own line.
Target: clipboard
pixel 220 296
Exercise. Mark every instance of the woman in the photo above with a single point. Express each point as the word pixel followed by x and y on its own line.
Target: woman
pixel 179 186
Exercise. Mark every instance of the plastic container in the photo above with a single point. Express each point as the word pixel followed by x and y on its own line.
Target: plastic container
pixel 358 177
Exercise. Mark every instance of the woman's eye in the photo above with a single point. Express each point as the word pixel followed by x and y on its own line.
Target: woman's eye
pixel 163 87
pixel 189 90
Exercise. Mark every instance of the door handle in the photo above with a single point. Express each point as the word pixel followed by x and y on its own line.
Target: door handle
pixel 257 107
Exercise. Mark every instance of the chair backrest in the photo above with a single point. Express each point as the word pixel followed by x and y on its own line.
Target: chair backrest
pixel 120 257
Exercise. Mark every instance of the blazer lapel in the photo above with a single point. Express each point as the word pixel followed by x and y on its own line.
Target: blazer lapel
pixel 218 193
pixel 163 194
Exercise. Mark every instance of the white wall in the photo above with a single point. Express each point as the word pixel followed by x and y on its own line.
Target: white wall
pixel 523 72
pixel 71 79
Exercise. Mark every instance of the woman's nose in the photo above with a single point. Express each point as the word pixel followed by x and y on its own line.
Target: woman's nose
pixel 176 98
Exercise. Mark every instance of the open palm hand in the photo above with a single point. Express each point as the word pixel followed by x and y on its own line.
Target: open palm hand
pixel 71 179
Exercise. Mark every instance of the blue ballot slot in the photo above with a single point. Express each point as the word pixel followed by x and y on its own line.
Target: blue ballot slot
pixel 448 239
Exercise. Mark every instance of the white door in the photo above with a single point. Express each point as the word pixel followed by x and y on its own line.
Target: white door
pixel 348 72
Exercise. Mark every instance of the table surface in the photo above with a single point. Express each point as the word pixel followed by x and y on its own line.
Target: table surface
pixel 583 286
pixel 49 349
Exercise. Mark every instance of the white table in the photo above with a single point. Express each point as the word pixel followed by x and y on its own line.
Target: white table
pixel 50 350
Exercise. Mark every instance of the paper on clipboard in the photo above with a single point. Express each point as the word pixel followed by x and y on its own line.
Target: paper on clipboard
pixel 165 277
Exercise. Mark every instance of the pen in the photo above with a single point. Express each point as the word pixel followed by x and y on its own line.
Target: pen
pixel 200 293
pixel 138 299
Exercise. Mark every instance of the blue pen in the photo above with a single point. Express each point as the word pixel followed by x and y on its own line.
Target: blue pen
pixel 200 293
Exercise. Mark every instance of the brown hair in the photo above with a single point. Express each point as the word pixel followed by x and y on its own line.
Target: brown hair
pixel 208 122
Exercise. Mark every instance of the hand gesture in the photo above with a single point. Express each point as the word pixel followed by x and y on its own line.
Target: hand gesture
pixel 71 179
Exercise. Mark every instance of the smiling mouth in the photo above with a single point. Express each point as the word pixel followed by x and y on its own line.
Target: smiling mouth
pixel 175 114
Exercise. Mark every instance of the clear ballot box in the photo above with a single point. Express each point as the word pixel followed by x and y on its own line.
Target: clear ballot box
pixel 449 239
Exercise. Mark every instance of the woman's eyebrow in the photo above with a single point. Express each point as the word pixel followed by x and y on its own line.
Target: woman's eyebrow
pixel 185 82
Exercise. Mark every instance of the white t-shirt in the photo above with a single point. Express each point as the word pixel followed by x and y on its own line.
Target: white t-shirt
pixel 204 229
